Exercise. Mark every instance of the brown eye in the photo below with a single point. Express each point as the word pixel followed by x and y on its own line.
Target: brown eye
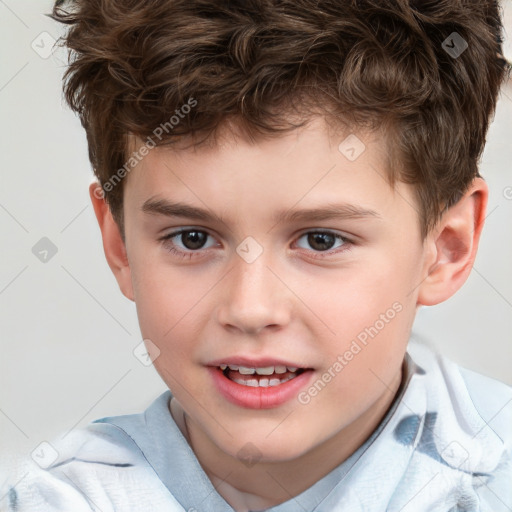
pixel 321 241
pixel 193 240
pixel 185 242
pixel 324 242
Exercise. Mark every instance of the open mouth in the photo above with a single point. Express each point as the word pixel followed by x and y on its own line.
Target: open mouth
pixel 262 384
pixel 262 377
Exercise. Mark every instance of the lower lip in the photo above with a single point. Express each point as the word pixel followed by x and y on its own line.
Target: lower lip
pixel 259 397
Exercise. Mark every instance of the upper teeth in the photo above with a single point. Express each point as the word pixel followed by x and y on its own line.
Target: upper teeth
pixel 267 370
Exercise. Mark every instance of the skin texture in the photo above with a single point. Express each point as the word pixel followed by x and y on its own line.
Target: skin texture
pixel 295 301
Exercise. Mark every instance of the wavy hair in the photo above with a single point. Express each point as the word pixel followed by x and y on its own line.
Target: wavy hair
pixel 361 63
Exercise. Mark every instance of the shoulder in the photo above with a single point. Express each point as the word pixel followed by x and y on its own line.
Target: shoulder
pixel 467 431
pixel 492 399
pixel 97 467
pixel 472 396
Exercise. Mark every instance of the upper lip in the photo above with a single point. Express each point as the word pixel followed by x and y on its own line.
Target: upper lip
pixel 248 362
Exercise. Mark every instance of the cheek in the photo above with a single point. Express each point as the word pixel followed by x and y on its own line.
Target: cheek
pixel 165 296
pixel 172 309
pixel 170 321
pixel 357 297
pixel 370 314
pixel 164 310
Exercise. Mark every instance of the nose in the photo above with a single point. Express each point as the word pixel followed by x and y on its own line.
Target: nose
pixel 254 297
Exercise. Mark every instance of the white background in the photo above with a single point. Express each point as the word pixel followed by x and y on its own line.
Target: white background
pixel 67 332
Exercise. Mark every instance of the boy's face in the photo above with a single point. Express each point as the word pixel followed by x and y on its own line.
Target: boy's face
pixel 256 292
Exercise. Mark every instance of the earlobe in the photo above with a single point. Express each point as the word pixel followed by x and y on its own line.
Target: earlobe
pixel 113 245
pixel 452 246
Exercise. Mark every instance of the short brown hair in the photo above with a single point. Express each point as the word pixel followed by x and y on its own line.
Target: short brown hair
pixel 366 63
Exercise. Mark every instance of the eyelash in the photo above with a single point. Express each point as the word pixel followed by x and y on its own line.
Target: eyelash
pixel 170 247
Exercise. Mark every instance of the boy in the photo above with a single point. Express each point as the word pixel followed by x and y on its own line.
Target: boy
pixel 325 155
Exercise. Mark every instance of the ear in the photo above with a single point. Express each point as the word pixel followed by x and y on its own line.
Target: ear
pixel 113 245
pixel 451 247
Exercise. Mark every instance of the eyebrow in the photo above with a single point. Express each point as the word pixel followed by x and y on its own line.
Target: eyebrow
pixel 330 211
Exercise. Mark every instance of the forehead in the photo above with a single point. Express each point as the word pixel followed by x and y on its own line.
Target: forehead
pixel 310 165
